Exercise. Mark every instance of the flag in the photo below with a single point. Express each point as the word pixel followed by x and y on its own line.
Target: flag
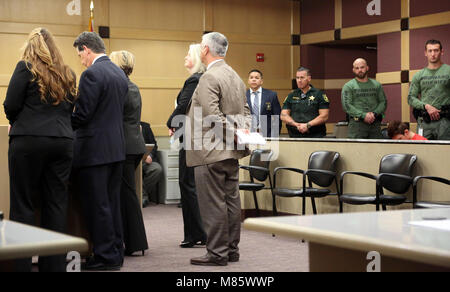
pixel 91 19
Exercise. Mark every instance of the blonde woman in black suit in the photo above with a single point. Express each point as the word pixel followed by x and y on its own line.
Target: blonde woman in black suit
pixel 194 233
pixel 134 235
pixel 38 105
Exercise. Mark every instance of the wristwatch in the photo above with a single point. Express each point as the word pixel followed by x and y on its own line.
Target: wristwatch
pixel 308 125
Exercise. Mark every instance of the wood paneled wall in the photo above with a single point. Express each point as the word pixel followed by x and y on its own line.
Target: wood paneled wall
pixel 401 31
pixel 159 33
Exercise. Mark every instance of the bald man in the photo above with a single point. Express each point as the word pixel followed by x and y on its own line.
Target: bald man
pixel 363 99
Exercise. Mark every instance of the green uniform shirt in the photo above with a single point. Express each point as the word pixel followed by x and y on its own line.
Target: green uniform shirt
pixel 305 107
pixel 360 98
pixel 433 86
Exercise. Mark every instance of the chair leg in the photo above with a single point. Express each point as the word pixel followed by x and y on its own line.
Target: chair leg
pixel 313 202
pixel 274 206
pixel 256 204
pixel 384 207
pixel 341 207
pixel 304 206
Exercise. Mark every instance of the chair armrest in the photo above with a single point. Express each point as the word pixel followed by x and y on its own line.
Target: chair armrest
pixel 297 170
pixel 248 167
pixel 434 178
pixel 418 178
pixel 364 174
pixel 395 175
pixel 321 171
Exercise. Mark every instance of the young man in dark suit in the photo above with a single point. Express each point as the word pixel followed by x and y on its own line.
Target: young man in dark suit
pixel 266 103
pixel 151 169
pixel 99 149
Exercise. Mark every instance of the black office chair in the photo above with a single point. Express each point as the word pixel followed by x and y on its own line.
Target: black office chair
pixel 395 175
pixel 321 171
pixel 426 204
pixel 259 170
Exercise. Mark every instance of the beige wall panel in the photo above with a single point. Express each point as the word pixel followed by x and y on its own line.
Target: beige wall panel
pixel 406 109
pixel 157 106
pixel 252 17
pixel 370 29
pixel 4 174
pixel 51 11
pixel 155 59
pixel 3 120
pixel 184 15
pixel 275 67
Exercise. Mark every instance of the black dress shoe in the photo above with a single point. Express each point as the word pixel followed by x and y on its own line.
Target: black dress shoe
pixel 93 265
pixel 189 244
pixel 209 261
pixel 233 257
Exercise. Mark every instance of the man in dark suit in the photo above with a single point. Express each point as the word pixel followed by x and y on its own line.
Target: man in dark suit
pixel 151 169
pixel 264 106
pixel 99 149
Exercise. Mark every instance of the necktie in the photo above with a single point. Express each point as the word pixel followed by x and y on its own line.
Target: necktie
pixel 255 108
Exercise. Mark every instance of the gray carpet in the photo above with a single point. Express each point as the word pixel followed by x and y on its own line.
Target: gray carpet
pixel 259 252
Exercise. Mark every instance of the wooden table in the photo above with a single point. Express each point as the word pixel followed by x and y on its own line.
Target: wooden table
pixel 342 242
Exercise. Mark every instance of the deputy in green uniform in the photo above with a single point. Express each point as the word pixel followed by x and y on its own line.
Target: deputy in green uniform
pixel 363 99
pixel 433 85
pixel 306 109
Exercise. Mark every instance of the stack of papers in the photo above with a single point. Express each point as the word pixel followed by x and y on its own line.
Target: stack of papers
pixel 436 224
pixel 247 138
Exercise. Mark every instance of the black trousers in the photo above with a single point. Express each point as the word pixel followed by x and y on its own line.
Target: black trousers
pixel 193 225
pixel 133 224
pixel 99 191
pixel 39 170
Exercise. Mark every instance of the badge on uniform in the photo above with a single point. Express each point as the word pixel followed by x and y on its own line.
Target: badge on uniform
pixel 325 98
pixel 296 98
pixel 268 106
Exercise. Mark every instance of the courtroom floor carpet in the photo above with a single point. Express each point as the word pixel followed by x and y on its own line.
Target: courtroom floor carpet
pixel 260 252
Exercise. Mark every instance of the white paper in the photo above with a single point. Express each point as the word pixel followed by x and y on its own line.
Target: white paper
pixel 436 224
pixel 250 138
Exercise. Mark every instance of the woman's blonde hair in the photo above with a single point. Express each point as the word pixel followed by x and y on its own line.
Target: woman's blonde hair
pixel 125 60
pixel 195 51
pixel 44 60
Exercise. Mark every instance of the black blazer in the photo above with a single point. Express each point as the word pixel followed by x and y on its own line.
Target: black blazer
pixel 131 121
pixel 270 106
pixel 149 138
pixel 28 115
pixel 98 116
pixel 184 97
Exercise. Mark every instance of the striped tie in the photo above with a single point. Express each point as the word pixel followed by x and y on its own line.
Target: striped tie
pixel 255 109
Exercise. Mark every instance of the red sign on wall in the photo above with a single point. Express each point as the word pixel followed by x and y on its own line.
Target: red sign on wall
pixel 260 57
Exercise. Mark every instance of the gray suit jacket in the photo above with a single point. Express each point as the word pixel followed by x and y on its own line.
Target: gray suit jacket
pixel 218 108
pixel 131 121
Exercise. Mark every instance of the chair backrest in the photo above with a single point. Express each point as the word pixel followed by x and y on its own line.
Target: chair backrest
pixel 397 164
pixel 323 160
pixel 261 158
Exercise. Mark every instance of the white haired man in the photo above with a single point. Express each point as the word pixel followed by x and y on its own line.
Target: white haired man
pixel 219 96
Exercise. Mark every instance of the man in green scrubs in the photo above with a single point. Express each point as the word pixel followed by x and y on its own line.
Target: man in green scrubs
pixel 306 109
pixel 363 99
pixel 432 84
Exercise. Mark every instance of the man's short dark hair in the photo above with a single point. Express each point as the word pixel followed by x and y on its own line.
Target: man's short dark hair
pixel 433 42
pixel 301 69
pixel 256 71
pixel 397 128
pixel 91 40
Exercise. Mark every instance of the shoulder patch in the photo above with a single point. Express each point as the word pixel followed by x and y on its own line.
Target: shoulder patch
pixel 325 98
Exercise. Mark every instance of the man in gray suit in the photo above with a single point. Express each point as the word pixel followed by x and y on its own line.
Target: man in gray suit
pixel 218 105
